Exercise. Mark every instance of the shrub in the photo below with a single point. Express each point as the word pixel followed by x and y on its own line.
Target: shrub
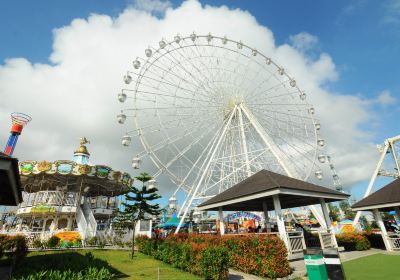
pixel 38 244
pixel 15 246
pixel 353 241
pixel 53 241
pixel 261 255
pixel 92 241
pixel 214 263
pixel 375 240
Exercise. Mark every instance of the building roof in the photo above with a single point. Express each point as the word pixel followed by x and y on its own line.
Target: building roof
pixel 249 194
pixel 10 184
pixel 385 198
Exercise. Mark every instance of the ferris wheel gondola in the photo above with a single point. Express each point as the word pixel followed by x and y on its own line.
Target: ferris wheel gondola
pixel 211 111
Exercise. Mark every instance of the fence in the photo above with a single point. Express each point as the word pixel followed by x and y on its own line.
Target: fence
pixel 394 241
pixel 296 242
pixel 326 239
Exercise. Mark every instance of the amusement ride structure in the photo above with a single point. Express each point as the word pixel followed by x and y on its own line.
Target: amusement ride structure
pixel 67 195
pixel 211 111
pixel 387 166
pixel 19 120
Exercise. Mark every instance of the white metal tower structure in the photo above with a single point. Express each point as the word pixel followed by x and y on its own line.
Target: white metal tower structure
pixel 388 165
pixel 211 111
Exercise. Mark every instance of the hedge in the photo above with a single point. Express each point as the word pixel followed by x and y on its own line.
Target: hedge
pixel 13 246
pixel 211 255
pixel 353 241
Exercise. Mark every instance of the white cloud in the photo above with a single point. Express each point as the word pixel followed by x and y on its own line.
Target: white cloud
pixel 303 41
pixel 392 12
pixel 76 95
pixel 386 98
pixel 155 6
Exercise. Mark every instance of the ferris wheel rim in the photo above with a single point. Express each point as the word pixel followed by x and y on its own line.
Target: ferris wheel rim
pixel 147 64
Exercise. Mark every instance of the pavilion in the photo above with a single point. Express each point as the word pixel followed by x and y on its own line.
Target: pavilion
pixel 383 200
pixel 10 184
pixel 266 191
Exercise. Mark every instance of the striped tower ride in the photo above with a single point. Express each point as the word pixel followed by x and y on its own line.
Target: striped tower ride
pixel 19 120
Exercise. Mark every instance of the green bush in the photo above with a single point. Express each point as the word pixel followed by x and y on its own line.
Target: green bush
pixel 13 246
pixel 53 242
pixel 375 240
pixel 214 263
pixel 92 241
pixel 261 255
pixel 38 244
pixel 353 241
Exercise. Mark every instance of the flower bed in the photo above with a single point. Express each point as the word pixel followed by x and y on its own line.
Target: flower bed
pixel 353 241
pixel 210 255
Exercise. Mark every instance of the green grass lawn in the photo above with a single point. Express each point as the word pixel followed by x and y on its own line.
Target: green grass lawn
pixel 141 267
pixel 373 267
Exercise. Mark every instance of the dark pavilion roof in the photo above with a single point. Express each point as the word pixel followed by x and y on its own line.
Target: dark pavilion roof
pixel 385 198
pixel 10 184
pixel 249 194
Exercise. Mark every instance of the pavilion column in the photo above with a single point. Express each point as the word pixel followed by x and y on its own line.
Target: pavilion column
pixel 397 214
pixel 325 212
pixel 279 220
pixel 221 221
pixel 378 218
pixel 266 218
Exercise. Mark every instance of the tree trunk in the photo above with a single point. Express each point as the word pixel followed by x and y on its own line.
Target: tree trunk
pixel 133 240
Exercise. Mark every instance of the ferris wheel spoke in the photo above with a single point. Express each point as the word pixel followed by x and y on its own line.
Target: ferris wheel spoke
pixel 302 151
pixel 171 73
pixel 176 62
pixel 211 111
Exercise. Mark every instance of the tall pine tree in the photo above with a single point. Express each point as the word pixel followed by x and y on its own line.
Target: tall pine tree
pixel 137 206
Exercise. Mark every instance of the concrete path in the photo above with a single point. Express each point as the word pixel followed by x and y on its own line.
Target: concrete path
pixel 238 275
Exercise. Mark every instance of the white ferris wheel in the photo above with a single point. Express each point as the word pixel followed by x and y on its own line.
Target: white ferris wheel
pixel 211 111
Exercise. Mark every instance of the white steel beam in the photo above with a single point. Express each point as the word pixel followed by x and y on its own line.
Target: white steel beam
pixel 244 142
pixel 373 178
pixel 277 154
pixel 206 168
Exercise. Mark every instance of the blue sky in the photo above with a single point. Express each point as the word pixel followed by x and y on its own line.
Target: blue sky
pixel 362 37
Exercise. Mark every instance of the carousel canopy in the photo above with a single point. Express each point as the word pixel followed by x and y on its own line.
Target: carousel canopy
pixel 92 179
pixel 10 185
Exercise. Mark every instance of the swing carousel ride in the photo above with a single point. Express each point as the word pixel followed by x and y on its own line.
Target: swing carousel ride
pixel 66 195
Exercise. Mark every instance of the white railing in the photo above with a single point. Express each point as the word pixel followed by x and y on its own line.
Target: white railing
pixel 394 241
pixel 81 222
pixel 296 242
pixel 326 239
pixel 52 198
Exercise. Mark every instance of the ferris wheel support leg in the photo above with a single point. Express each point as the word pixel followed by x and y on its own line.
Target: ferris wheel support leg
pixel 267 140
pixel 244 143
pixel 214 151
pixel 373 179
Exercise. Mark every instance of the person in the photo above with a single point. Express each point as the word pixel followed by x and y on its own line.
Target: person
pixel 258 230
